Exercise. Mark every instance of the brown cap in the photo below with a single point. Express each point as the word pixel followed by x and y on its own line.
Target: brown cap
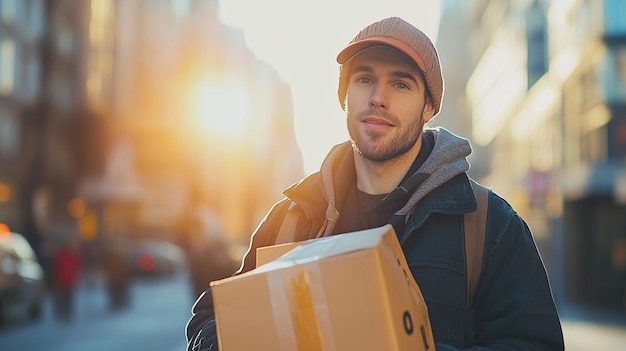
pixel 402 36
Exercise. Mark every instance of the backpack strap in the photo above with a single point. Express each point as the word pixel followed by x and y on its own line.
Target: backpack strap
pixel 475 223
pixel 287 231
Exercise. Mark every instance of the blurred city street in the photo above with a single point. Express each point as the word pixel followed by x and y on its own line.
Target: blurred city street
pixel 159 309
pixel 582 335
pixel 155 320
pixel 585 330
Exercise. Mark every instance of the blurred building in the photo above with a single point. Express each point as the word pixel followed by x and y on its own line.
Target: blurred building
pixel 117 112
pixel 18 37
pixel 458 59
pixel 547 95
pixel 39 104
pixel 588 63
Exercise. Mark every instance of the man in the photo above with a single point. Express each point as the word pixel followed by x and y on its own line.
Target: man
pixel 393 170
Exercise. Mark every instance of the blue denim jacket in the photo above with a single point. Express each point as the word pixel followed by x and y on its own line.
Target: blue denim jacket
pixel 514 308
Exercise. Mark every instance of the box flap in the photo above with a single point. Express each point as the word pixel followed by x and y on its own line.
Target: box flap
pixel 318 249
pixel 266 254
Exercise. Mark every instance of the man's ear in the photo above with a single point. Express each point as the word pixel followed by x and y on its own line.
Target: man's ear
pixel 429 109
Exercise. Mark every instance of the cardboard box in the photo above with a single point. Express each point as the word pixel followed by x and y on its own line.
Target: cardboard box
pixel 351 291
pixel 270 253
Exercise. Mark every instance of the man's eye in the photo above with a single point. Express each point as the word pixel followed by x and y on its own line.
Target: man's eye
pixel 402 85
pixel 364 80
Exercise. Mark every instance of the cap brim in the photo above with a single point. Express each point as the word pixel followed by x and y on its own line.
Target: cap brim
pixel 358 46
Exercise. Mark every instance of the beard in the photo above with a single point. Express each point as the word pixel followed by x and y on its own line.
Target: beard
pixel 373 147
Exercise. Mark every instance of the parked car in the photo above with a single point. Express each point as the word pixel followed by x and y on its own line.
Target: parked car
pixel 156 257
pixel 22 280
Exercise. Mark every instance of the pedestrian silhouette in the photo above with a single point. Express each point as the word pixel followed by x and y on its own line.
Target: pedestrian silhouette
pixel 67 274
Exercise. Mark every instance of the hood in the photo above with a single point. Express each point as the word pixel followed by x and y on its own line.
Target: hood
pixel 447 160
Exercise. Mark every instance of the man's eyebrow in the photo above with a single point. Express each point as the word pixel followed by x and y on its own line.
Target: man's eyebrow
pixel 397 74
pixel 405 75
pixel 363 68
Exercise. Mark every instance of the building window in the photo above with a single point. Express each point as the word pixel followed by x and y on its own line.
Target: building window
pixel 7 66
pixel 536 34
pixel 9 137
pixel 614 11
pixel 32 76
pixel 616 75
pixel 595 148
pixel 100 56
pixel 618 137
pixel 34 18
pixel 592 93
pixel 543 157
pixel 572 124
pixel 8 11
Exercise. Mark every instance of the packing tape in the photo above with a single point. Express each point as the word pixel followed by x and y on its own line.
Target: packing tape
pixel 281 312
pixel 300 310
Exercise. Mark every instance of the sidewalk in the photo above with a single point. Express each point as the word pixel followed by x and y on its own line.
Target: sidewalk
pixel 585 330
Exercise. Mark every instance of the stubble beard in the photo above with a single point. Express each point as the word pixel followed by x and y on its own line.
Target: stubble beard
pixel 373 148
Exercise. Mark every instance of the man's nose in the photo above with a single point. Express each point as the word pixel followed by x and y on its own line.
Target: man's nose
pixel 378 97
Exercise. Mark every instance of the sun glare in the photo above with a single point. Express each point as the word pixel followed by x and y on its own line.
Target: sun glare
pixel 302 45
pixel 220 108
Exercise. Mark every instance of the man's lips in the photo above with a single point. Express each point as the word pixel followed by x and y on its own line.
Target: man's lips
pixel 377 121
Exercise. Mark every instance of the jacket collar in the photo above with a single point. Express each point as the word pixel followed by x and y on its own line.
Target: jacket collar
pixel 318 194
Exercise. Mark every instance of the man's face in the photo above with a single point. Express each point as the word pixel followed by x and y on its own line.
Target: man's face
pixel 386 104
